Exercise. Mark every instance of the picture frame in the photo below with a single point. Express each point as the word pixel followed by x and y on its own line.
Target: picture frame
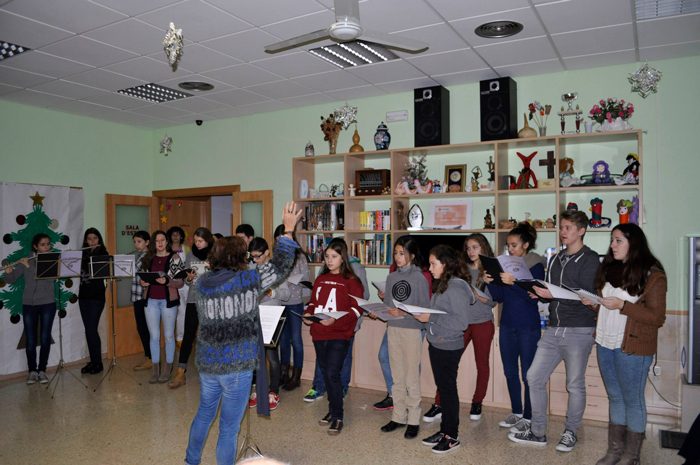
pixel 451 214
pixel 455 178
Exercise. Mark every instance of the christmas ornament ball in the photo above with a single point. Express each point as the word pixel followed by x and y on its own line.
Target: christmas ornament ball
pixel 61 313
pixel 54 224
pixel 7 238
pixel 21 219
pixel 65 240
pixel 73 299
pixel 69 283
pixel 14 319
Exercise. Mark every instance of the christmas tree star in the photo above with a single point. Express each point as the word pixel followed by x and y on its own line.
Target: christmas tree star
pixel 37 199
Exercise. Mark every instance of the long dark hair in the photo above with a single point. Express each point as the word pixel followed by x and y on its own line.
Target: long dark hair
pixel 410 246
pixel 526 233
pixel 340 247
pixel 466 261
pixel 449 257
pixel 38 238
pixel 97 251
pixel 207 236
pixel 639 265
pixel 298 252
pixel 151 252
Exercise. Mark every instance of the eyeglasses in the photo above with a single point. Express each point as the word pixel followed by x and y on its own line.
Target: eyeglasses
pixel 256 257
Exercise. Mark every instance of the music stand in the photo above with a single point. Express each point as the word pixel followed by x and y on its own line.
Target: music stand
pixel 51 266
pixel 111 268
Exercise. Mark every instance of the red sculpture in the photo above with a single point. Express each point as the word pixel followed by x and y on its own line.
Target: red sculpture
pixel 526 173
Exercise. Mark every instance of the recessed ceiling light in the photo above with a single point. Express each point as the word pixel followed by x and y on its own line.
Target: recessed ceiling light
pixel 498 29
pixel 8 50
pixel 354 53
pixel 154 93
pixel 197 86
pixel 649 9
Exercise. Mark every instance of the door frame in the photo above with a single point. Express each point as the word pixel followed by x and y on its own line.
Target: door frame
pixel 266 197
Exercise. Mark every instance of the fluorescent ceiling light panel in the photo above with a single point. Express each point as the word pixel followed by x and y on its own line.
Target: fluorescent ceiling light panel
pixel 354 53
pixel 650 9
pixel 154 93
pixel 8 50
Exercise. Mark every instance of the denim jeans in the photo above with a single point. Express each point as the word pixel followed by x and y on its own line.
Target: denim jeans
pixel 291 334
pixel 384 363
pixel 91 311
pixel 31 314
pixel 142 326
pixel 345 372
pixel 234 388
pixel 518 347
pixel 155 309
pixel 573 345
pixel 330 355
pixel 625 377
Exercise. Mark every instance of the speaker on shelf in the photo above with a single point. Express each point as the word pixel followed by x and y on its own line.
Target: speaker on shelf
pixel 499 109
pixel 432 116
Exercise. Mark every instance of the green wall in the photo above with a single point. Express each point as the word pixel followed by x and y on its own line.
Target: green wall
pixel 47 147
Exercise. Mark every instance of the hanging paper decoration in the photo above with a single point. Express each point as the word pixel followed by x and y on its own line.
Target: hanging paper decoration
pixel 179 204
pixel 169 206
pixel 163 219
pixel 646 80
pixel 165 145
pixel 345 115
pixel 173 44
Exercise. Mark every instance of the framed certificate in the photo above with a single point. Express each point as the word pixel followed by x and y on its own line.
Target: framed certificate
pixel 451 214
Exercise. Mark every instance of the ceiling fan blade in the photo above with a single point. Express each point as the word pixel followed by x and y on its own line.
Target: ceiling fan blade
pixel 393 41
pixel 297 41
pixel 347 9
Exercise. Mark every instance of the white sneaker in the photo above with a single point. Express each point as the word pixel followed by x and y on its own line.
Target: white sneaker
pixel 510 420
pixel 521 426
pixel 33 377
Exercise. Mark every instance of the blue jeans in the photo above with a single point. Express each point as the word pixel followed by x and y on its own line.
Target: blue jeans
pixel 625 377
pixel 384 363
pixel 155 309
pixel 518 343
pixel 291 334
pixel 330 355
pixel 31 314
pixel 345 372
pixel 235 389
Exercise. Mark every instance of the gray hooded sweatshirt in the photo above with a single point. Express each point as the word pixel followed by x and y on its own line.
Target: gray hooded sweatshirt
pixel 446 331
pixel 576 271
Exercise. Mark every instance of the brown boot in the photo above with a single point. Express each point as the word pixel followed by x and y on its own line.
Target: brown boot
pixel 165 374
pixel 633 447
pixel 145 364
pixel 284 377
pixel 294 381
pixel 155 373
pixel 178 379
pixel 616 444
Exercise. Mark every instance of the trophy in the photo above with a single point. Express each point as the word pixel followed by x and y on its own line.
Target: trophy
pixel 569 99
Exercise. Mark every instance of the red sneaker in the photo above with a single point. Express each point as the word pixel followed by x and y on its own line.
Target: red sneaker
pixel 274 400
pixel 253 401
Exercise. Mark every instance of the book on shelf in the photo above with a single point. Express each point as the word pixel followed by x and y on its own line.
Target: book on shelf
pixel 375 220
pixel 325 216
pixel 376 251
pixel 315 245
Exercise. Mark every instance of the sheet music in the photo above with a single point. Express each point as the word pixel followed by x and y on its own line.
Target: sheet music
pixel 71 261
pixel 269 319
pixel 381 285
pixel 415 309
pixel 295 278
pixel 124 266
pixel 585 294
pixel 560 292
pixel 199 267
pixel 378 309
pixel 515 266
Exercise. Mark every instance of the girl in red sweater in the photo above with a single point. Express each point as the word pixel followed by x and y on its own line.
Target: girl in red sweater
pixel 331 337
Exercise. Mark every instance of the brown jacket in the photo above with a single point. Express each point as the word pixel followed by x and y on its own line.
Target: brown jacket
pixel 645 317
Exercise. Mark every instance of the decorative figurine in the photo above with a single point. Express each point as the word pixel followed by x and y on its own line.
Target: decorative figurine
pixel 549 224
pixel 572 206
pixel 382 138
pixel 526 173
pixel 423 189
pixel 491 167
pixel 566 171
pixel 476 171
pixel 508 224
pixel 601 173
pixel 436 187
pixel 538 224
pixel 401 216
pixel 351 189
pixel 386 190
pixel 631 173
pixel 624 208
pixel 597 219
pixel 527 218
pixel 488 221
pixel 549 162
pixel 634 213
pixel 309 151
pixel 415 218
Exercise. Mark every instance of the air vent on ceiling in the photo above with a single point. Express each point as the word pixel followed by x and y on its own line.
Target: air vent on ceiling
pixel 498 29
pixel 354 53
pixel 196 86
pixel 154 93
pixel 8 50
pixel 650 9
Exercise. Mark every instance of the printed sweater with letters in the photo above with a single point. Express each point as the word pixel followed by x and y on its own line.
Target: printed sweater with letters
pixel 331 293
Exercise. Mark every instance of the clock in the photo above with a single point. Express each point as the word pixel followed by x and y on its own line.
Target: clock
pixel 371 181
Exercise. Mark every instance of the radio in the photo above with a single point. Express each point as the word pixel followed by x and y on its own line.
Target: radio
pixel 371 181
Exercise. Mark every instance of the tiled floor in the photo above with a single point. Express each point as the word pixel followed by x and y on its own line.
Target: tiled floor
pixel 124 423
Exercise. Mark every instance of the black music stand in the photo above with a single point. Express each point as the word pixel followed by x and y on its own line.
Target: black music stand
pixel 111 268
pixel 50 266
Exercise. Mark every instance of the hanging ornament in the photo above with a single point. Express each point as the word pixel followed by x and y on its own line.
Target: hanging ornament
pixel 646 80
pixel 179 205
pixel 37 199
pixel 163 219
pixel 345 115
pixel 169 206
pixel 21 219
pixel 173 44
pixel 165 145
pixel 54 224
pixel 162 208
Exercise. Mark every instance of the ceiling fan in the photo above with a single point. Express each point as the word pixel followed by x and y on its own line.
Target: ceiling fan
pixel 346 28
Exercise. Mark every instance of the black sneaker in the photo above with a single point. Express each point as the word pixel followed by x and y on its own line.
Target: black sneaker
pixel 528 437
pixel 411 431
pixel 447 444
pixel 325 421
pixel 435 413
pixel 433 440
pixel 567 442
pixel 475 412
pixel 385 404
pixel 336 426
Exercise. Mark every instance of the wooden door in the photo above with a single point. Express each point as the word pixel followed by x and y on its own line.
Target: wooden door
pixel 124 215
pixel 188 214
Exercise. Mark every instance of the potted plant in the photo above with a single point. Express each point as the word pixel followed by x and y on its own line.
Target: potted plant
pixel 612 115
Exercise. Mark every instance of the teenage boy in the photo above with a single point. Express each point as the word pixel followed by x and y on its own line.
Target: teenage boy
pixel 568 337
pixel 245 232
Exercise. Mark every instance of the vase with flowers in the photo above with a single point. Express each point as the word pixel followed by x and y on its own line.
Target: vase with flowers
pixel 331 129
pixel 540 114
pixel 612 115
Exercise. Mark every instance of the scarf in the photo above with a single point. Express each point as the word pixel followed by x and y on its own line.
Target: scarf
pixel 201 254
pixel 613 273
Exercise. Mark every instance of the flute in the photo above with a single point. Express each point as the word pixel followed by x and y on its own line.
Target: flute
pixel 13 264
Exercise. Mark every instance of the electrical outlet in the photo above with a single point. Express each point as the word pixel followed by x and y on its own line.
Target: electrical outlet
pixel 657 371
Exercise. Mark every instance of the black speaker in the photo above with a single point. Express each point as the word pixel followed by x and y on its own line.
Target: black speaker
pixel 432 116
pixel 499 109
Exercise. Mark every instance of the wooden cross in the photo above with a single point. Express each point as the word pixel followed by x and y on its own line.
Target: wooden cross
pixel 549 162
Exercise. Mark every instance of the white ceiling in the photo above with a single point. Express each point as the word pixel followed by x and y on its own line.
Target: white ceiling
pixel 85 50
